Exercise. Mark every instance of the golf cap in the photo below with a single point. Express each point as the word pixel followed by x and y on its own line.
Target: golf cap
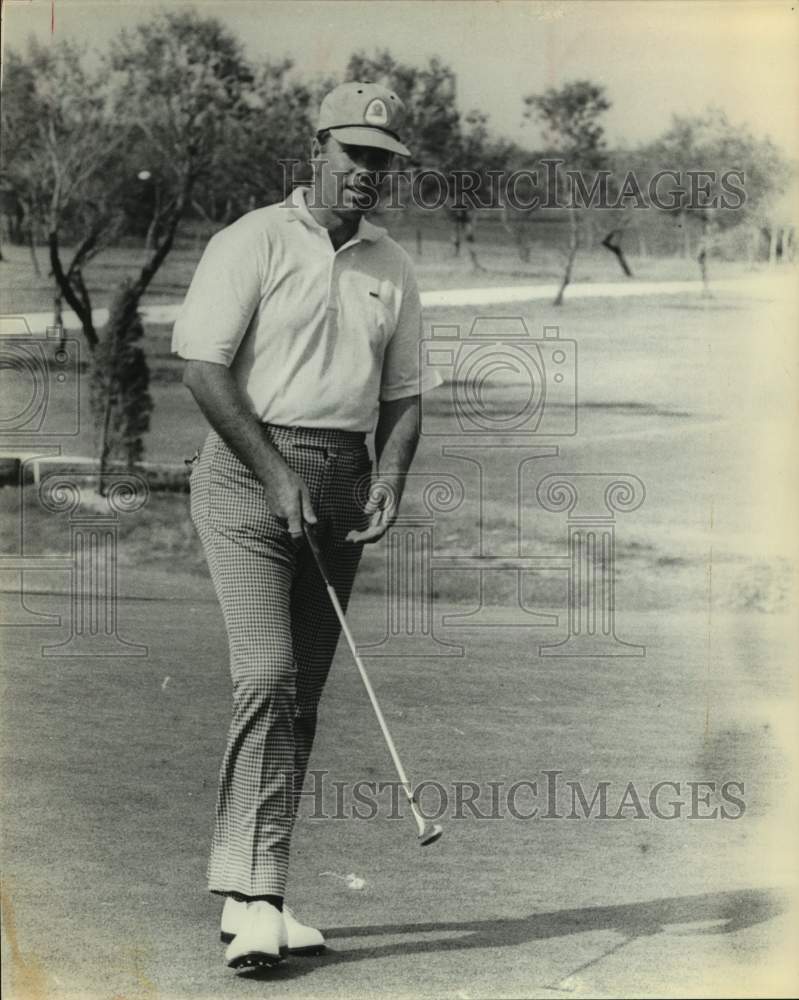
pixel 364 114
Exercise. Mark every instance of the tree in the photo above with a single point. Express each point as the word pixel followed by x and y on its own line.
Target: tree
pixel 617 222
pixel 119 385
pixel 21 168
pixel 523 195
pixel 475 162
pixel 570 118
pixel 268 138
pixel 180 81
pixel 161 105
pixel 704 150
pixel 59 154
pixel 177 87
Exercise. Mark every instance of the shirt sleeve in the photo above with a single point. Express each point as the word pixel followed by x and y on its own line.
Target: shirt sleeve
pixel 222 298
pixel 403 374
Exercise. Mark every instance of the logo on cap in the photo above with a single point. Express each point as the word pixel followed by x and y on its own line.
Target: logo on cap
pixel 376 112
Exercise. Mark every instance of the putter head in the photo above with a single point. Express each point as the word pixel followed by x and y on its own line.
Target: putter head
pixel 430 835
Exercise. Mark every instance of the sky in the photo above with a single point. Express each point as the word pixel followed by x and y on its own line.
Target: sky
pixel 654 58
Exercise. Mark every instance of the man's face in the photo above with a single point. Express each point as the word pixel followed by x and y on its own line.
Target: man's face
pixel 346 176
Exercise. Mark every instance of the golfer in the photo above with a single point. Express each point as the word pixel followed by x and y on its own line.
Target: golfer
pixel 301 333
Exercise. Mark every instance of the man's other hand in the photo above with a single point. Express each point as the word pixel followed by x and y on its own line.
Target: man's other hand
pixel 381 509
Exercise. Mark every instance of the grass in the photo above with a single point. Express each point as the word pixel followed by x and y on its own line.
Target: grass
pixel 640 412
pixel 22 291
pixel 109 764
pixel 109 779
pixel 637 336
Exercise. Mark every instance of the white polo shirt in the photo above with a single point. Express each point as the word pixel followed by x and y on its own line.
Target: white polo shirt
pixel 314 337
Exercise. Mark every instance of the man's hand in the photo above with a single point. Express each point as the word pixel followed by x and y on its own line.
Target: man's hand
pixel 227 411
pixel 288 498
pixel 395 442
pixel 381 508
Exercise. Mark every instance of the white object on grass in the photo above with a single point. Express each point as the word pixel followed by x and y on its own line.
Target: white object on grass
pixel 352 880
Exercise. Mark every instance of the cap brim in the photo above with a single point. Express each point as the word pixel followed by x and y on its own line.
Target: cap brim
pixel 356 135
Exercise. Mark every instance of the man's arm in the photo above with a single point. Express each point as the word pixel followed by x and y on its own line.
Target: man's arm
pixel 396 437
pixel 225 408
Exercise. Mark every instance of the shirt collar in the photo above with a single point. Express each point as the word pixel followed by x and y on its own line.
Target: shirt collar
pixel 299 213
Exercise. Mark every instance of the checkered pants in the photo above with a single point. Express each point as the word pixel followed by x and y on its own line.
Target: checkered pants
pixel 282 634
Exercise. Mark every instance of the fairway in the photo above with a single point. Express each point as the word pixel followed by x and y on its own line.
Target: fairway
pixel 110 772
pixel 110 763
pixel 508 290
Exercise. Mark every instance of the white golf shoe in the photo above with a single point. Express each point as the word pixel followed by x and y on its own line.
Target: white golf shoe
pixel 301 939
pixel 260 937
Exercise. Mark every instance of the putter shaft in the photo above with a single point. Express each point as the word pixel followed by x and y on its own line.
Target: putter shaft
pixel 420 822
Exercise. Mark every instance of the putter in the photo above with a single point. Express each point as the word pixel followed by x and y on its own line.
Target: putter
pixel 428 833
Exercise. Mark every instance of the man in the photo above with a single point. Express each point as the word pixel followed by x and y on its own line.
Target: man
pixel 301 334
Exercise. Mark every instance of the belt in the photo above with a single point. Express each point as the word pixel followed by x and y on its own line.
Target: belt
pixel 331 439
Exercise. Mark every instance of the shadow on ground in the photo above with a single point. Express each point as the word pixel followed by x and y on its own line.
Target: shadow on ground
pixel 728 912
